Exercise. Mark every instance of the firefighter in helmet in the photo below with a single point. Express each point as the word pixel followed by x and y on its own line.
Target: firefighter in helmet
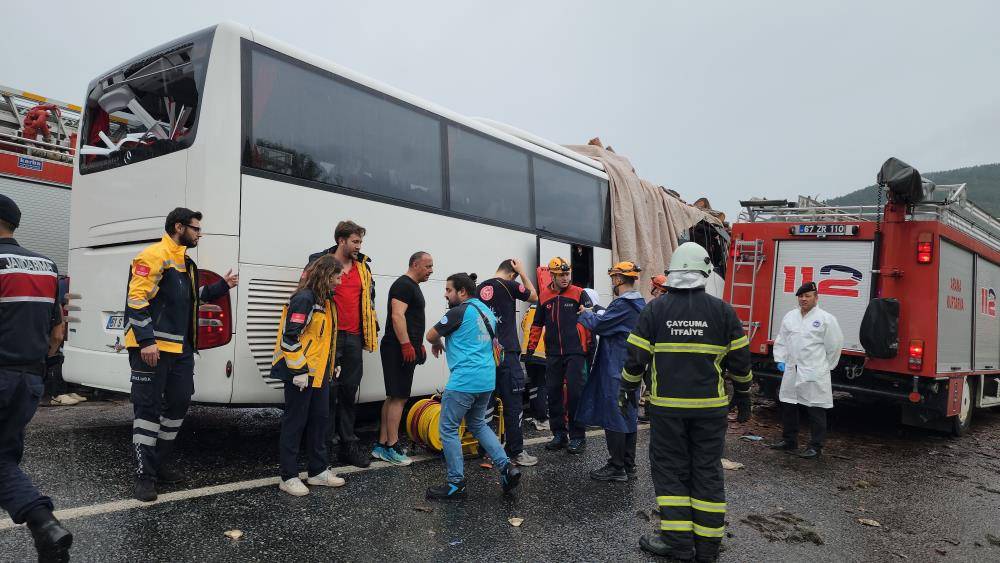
pixel 658 285
pixel 599 402
pixel 565 355
pixel 691 339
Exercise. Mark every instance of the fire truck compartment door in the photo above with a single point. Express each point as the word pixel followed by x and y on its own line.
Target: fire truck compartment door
pixel 987 320
pixel 954 337
pixel 842 272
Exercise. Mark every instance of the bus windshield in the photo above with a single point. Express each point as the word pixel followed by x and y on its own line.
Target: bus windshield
pixel 147 107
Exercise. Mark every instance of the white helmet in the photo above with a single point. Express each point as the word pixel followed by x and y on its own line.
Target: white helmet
pixel 690 257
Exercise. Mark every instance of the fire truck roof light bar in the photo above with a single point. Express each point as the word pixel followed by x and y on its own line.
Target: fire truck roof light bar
pixel 959 213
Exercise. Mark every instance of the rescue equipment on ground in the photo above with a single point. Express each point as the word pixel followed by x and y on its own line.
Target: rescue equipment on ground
pixel 423 426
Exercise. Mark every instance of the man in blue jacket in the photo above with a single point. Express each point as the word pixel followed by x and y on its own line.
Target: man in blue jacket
pixel 599 402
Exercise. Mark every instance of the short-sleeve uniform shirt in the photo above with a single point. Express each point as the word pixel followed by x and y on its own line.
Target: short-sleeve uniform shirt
pixel 501 296
pixel 469 347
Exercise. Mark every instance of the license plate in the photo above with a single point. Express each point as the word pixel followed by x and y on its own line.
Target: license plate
pixel 116 322
pixel 825 229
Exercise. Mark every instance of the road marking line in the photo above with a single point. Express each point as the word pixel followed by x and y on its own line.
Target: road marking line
pixel 129 504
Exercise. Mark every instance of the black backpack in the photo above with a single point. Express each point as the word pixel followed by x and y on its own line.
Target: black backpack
pixel 880 328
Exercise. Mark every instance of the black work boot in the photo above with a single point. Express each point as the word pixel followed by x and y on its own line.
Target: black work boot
pixel 557 443
pixel 52 541
pixel 168 475
pixel 577 445
pixel 655 544
pixel 351 454
pixel 784 445
pixel 145 490
pixel 609 473
pixel 448 491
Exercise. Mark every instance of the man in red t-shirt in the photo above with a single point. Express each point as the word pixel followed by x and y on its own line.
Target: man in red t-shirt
pixel 357 331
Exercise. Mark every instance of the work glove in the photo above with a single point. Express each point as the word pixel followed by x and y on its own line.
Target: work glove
pixel 781 367
pixel 301 380
pixel 741 400
pixel 409 353
pixel 626 397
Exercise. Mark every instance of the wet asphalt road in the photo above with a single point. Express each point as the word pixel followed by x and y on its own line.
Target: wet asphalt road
pixel 935 498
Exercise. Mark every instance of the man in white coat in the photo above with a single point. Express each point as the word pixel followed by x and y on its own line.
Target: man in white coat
pixel 807 347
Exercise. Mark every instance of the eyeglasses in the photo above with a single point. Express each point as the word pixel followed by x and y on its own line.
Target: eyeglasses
pixel 196 229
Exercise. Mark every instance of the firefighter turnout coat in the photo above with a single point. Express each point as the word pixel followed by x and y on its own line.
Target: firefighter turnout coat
pixel 690 339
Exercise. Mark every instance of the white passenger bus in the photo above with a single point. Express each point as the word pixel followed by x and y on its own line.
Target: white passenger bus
pixel 275 146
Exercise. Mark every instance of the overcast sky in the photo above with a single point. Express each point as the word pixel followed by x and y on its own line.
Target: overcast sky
pixel 719 99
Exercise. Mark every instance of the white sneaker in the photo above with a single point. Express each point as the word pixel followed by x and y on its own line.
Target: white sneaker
pixel 327 479
pixel 64 400
pixel 541 425
pixel 294 487
pixel 525 459
pixel 79 398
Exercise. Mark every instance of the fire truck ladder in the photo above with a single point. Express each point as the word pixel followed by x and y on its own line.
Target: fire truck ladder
pixel 14 104
pixel 748 256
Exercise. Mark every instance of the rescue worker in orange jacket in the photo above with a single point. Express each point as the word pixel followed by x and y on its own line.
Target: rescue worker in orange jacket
pixel 565 355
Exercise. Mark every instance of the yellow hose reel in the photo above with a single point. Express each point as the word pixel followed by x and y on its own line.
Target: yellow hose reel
pixel 423 426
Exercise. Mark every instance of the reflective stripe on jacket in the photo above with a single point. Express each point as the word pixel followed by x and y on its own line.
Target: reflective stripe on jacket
pixel 307 339
pixel 558 316
pixel 690 338
pixel 161 306
pixel 369 321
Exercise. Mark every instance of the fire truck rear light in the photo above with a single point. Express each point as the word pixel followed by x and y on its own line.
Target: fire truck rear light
pixel 925 249
pixel 914 397
pixel 916 361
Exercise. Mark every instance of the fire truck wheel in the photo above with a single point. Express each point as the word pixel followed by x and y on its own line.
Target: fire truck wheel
pixel 960 422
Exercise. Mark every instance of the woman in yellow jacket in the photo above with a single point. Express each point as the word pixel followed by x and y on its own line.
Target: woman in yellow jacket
pixel 303 359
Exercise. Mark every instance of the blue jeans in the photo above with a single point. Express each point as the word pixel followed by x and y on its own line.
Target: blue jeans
pixel 456 405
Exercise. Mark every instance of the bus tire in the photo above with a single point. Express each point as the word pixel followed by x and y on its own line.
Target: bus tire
pixel 961 422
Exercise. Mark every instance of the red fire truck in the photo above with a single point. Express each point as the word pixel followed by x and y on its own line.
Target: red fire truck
pixel 913 284
pixel 37 146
